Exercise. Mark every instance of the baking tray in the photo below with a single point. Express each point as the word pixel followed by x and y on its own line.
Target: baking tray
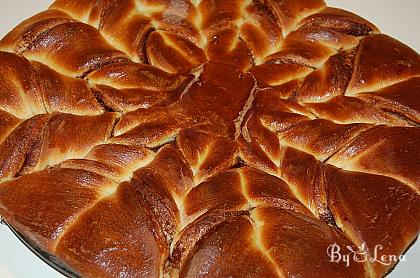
pixel 50 260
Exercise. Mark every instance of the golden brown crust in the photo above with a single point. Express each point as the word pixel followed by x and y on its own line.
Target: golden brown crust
pixel 104 240
pixel 374 210
pixel 209 138
pixel 38 213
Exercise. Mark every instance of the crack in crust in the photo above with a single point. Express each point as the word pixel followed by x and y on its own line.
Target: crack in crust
pixel 184 138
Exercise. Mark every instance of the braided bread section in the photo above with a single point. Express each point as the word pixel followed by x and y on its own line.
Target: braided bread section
pixel 209 138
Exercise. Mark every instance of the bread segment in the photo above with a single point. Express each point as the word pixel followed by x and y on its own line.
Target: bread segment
pixel 209 138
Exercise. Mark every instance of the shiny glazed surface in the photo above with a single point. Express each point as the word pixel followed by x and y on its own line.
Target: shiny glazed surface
pixel 193 138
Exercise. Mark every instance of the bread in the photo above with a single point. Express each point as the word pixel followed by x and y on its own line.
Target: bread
pixel 209 138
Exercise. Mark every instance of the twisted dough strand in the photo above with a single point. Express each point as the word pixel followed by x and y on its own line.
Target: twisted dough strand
pixel 209 138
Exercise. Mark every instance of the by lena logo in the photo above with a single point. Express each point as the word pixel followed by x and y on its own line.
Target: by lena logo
pixel 361 255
